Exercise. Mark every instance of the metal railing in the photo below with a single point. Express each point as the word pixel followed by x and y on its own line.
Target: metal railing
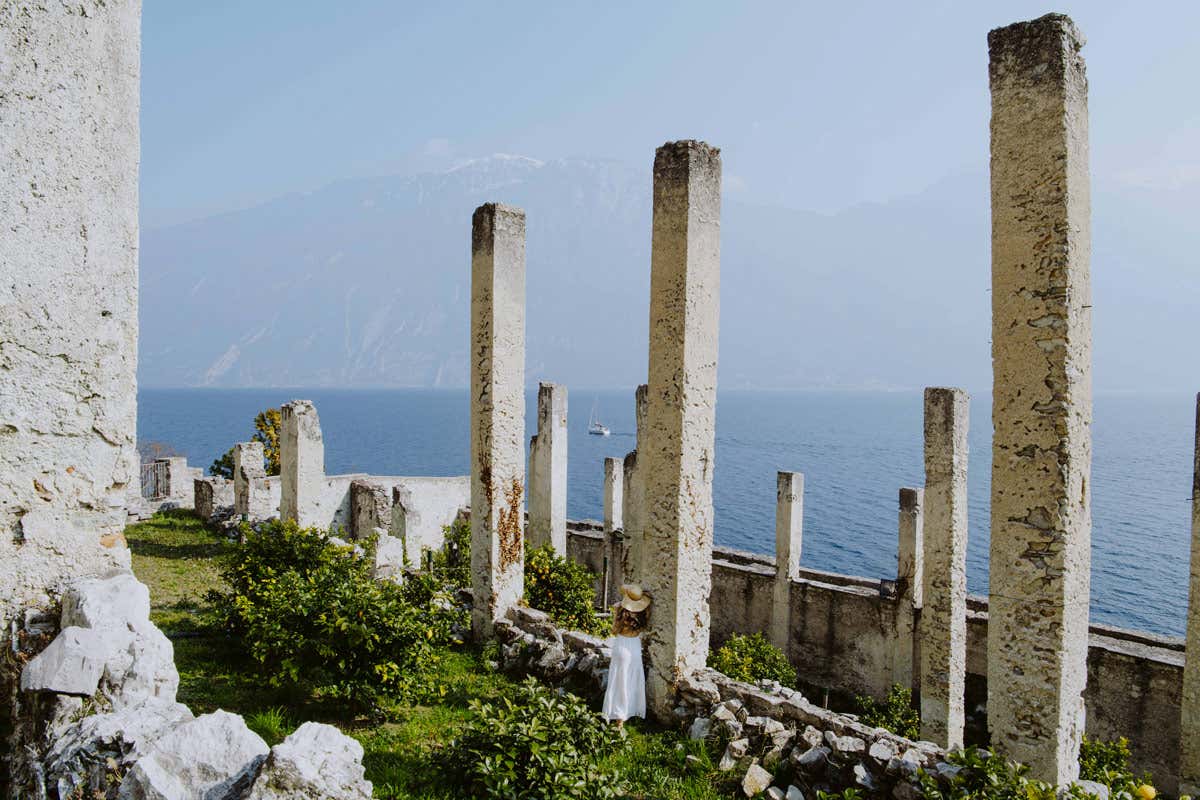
pixel 156 483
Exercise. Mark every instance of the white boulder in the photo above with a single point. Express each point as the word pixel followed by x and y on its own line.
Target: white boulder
pixel 119 601
pixel 213 757
pixel 315 761
pixel 72 664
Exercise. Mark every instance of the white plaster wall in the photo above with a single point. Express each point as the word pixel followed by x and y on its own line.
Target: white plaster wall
pixel 422 507
pixel 69 150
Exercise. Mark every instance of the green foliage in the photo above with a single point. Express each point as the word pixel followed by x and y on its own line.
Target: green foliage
pixel 272 724
pixel 845 794
pixel 313 615
pixel 896 714
pixel 752 658
pixel 562 588
pixel 452 564
pixel 984 775
pixel 223 466
pixel 1108 763
pixel 266 430
pixel 535 744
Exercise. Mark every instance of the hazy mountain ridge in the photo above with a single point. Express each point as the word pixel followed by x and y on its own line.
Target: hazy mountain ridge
pixel 365 283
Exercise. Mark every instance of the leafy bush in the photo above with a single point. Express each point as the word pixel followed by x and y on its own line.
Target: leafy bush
pixel 985 774
pixel 895 714
pixel 535 744
pixel 312 613
pixel 752 658
pixel 1108 763
pixel 452 563
pixel 562 588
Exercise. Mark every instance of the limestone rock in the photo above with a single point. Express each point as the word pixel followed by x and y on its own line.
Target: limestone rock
pixel 119 601
pixel 864 778
pixel 315 761
pixel 700 728
pixel 72 664
pixel 849 746
pixel 213 757
pixel 1093 788
pixel 756 781
pixel 80 753
pixel 389 556
pixel 794 793
pixel 882 751
pixel 814 760
pixel 734 752
pixel 775 793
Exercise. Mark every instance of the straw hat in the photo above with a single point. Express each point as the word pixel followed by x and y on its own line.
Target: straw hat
pixel 633 598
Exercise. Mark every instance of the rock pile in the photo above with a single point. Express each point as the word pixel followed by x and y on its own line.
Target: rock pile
pixel 99 717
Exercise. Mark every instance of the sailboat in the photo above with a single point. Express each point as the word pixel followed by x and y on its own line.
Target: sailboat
pixel 595 426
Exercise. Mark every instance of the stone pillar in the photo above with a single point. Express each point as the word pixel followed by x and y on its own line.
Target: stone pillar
pixel 301 463
pixel 789 533
pixel 676 454
pixel 1042 396
pixel 910 575
pixel 548 470
pixel 497 412
pixel 1189 727
pixel 944 568
pixel 614 537
pixel 248 470
pixel 633 496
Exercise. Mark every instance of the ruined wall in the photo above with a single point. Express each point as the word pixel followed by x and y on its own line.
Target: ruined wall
pixel 69 155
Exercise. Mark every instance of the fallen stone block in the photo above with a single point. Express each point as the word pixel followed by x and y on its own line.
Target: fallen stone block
pixel 119 601
pixel 756 781
pixel 71 664
pixel 315 761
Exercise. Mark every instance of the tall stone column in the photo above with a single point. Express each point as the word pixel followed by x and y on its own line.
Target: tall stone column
pixel 676 457
pixel 497 412
pixel 1189 727
pixel 789 533
pixel 248 469
pixel 944 568
pixel 910 575
pixel 548 470
pixel 1042 395
pixel 633 498
pixel 614 538
pixel 301 462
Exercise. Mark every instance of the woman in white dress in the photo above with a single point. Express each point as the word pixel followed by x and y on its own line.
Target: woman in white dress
pixel 626 693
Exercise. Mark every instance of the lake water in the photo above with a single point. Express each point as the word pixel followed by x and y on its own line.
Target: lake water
pixel 855 450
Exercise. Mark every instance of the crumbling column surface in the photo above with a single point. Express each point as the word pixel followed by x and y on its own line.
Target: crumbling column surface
pixel 789 533
pixel 633 497
pixel 248 471
pixel 614 538
pixel 676 455
pixel 944 568
pixel 1189 728
pixel 910 575
pixel 1042 395
pixel 497 412
pixel 69 153
pixel 548 470
pixel 301 463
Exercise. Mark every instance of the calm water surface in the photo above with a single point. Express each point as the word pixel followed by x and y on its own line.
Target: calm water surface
pixel 855 450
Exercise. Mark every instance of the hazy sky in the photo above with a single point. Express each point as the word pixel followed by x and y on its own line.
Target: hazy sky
pixel 815 106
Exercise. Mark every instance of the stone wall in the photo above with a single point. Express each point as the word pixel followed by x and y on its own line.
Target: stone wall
pixel 69 153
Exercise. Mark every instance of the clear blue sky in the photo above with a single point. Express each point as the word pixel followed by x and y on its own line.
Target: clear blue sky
pixel 815 106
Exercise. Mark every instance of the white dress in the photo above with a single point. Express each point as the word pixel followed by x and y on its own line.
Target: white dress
pixel 626 693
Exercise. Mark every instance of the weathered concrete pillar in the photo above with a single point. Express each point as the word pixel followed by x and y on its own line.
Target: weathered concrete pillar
pixel 676 456
pixel 944 568
pixel 248 469
pixel 497 412
pixel 1189 727
pixel 910 575
pixel 548 470
pixel 789 536
pixel 633 498
pixel 614 536
pixel 301 462
pixel 1042 395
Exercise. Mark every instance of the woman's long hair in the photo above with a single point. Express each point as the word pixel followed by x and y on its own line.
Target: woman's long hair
pixel 631 621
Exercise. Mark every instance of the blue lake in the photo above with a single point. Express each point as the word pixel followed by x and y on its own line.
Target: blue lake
pixel 855 450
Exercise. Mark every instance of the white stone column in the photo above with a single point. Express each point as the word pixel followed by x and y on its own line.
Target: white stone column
pixel 676 456
pixel 548 470
pixel 789 537
pixel 910 575
pixel 248 469
pixel 1042 396
pixel 944 568
pixel 301 462
pixel 633 497
pixel 1189 725
pixel 614 537
pixel 497 412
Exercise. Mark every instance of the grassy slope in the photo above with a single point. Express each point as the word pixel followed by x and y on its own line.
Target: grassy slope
pixel 176 556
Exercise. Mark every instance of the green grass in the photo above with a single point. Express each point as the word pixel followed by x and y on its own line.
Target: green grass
pixel 176 556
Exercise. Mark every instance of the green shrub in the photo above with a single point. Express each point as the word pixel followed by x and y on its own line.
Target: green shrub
pixel 752 658
pixel 535 744
pixel 452 564
pixel 562 588
pixel 1108 763
pixel 987 775
pixel 313 615
pixel 895 714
